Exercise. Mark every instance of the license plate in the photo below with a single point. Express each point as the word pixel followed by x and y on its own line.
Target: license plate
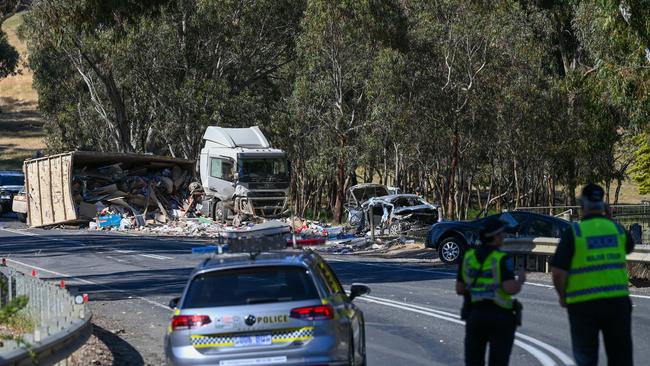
pixel 256 340
pixel 255 361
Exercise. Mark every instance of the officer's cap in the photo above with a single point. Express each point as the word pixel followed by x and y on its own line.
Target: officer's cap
pixel 592 196
pixel 491 228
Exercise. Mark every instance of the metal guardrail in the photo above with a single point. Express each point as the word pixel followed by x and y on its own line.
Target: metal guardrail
pixel 576 211
pixel 61 325
pixel 547 246
pixel 626 215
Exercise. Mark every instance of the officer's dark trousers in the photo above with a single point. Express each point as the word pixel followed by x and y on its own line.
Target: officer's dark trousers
pixel 489 325
pixel 610 316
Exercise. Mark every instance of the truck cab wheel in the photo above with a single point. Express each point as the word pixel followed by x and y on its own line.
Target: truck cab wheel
pixel 21 217
pixel 221 213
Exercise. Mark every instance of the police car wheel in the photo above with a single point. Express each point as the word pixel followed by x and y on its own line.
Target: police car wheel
pixel 450 250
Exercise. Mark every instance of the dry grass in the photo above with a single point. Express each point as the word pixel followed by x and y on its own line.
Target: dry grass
pixel 16 91
pixel 21 128
pixel 19 324
pixel 630 193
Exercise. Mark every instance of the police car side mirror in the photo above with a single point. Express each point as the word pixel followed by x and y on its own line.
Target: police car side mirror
pixel 173 303
pixel 358 289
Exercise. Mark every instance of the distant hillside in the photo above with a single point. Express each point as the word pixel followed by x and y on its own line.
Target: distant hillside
pixel 21 128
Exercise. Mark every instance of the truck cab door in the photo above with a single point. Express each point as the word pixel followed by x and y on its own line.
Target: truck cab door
pixel 221 177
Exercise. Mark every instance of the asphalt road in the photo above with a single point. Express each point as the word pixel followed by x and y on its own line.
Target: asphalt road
pixel 411 313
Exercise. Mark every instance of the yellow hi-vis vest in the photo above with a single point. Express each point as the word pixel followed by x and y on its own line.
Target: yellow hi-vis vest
pixel 488 284
pixel 598 265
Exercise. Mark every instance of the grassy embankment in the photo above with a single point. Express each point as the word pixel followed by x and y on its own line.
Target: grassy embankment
pixel 21 128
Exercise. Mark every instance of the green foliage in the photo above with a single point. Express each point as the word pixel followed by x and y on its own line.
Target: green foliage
pixel 485 105
pixel 204 63
pixel 8 57
pixel 12 308
pixel 641 170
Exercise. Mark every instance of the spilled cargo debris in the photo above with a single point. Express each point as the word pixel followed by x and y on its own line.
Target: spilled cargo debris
pixel 109 189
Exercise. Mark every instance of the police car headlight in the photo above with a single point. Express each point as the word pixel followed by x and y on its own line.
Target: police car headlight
pixel 5 196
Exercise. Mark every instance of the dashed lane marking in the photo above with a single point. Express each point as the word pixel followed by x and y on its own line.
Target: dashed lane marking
pixel 75 242
pixel 116 259
pixel 155 256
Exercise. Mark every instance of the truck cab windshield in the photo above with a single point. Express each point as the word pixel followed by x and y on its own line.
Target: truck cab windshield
pixel 263 169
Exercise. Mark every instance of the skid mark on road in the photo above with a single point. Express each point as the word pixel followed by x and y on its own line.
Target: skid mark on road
pixel 540 355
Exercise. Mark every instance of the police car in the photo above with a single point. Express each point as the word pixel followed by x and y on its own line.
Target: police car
pixel 266 309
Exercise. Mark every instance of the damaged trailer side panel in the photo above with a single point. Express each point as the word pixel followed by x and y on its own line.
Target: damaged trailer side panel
pixel 49 181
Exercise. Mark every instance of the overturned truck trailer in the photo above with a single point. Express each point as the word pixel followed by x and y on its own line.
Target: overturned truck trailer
pixel 61 189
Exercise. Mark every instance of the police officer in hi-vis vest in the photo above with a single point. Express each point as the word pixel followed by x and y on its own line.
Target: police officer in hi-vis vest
pixel 487 280
pixel 591 280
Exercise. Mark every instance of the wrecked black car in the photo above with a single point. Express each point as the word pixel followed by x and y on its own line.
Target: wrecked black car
pixel 394 214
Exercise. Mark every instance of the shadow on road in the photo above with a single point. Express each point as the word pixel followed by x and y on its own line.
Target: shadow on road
pixel 387 272
pixel 123 352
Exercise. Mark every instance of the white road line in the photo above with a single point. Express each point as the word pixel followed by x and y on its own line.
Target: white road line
pixel 543 358
pixel 121 251
pixel 116 259
pixel 27 233
pixel 59 274
pixel 558 353
pixel 449 273
pixel 40 269
pixel 549 286
pixel 539 355
pixel 538 284
pixel 154 256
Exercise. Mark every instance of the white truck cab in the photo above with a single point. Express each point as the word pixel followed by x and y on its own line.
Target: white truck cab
pixel 242 174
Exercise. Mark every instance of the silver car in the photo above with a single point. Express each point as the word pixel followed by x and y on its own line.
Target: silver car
pixel 270 309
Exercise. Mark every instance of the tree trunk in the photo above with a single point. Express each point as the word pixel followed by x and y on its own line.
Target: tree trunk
pixel 396 180
pixel 619 184
pixel 451 195
pixel 340 185
pixel 517 190
pixel 385 180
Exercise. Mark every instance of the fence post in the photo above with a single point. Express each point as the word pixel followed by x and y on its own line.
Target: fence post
pixel 10 279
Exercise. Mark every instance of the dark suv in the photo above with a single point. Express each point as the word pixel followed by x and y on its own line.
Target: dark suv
pixel 11 182
pixel 452 238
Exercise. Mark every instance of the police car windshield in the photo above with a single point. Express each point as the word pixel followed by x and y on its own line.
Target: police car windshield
pixel 247 286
